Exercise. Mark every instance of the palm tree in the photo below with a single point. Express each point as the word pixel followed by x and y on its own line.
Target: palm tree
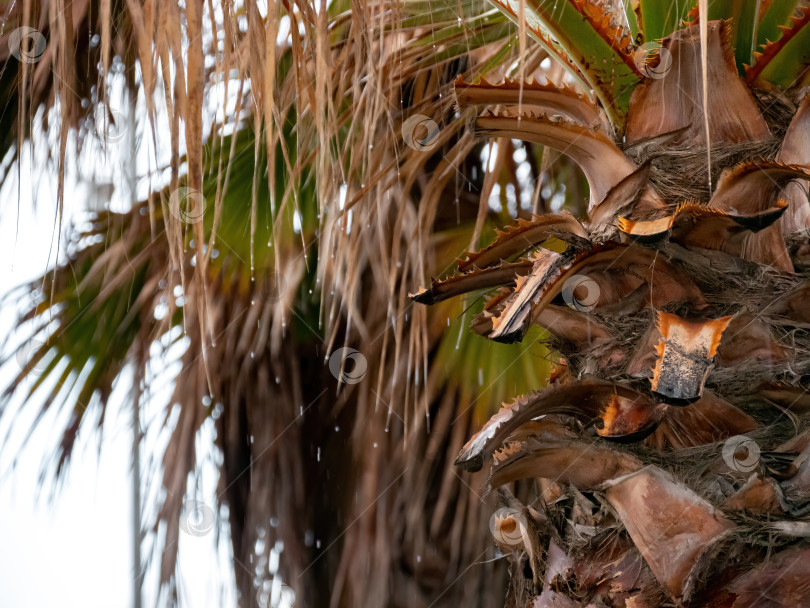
pixel 334 175
pixel 668 460
pixel 226 260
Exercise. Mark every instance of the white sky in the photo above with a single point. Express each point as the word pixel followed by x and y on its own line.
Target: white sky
pixel 72 547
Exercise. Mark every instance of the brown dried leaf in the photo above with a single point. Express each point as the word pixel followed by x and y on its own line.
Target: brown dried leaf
pixel 685 355
pixel 675 101
pixel 795 151
pixel 605 275
pixel 601 160
pixel 783 580
pixel 582 465
pixel 473 279
pixel 548 97
pixel 633 413
pixel 524 235
pixel 675 530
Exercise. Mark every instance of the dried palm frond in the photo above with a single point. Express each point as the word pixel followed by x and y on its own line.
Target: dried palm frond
pixel 337 175
pixel 703 295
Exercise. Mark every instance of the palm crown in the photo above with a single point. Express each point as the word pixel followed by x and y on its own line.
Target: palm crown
pixel 670 303
pixel 345 173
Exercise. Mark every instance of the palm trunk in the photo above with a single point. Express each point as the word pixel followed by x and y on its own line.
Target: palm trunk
pixel 671 444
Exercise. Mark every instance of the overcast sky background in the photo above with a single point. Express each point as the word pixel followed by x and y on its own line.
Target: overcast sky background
pixel 70 545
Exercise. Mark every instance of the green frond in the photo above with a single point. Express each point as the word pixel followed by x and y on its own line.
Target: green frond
pixel 783 62
pixel 657 19
pixel 633 21
pixel 485 370
pixel 743 16
pixel 481 369
pixel 92 312
pixel 582 33
pixel 772 15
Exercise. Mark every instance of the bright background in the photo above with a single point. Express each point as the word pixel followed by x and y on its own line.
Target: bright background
pixel 69 544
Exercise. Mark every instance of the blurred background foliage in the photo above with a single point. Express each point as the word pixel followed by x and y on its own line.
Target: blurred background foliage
pixel 317 219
